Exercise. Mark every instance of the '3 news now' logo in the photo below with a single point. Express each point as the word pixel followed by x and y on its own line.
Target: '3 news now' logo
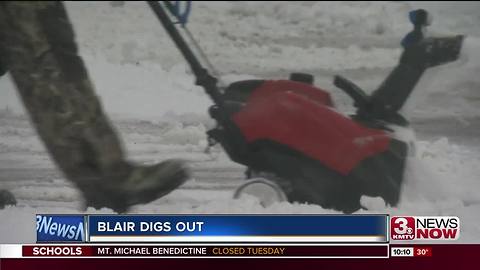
pixel 424 228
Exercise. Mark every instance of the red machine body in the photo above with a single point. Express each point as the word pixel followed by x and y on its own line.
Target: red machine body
pixel 320 132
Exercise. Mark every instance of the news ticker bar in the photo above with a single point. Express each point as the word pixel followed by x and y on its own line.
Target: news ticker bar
pixel 196 251
pixel 212 228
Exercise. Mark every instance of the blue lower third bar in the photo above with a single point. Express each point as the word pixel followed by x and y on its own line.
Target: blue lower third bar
pixel 238 228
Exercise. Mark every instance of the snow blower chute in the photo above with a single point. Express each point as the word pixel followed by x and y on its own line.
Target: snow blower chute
pixel 290 136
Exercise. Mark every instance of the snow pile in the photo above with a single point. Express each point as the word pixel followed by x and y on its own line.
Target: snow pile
pixel 185 135
pixel 441 179
pixel 443 172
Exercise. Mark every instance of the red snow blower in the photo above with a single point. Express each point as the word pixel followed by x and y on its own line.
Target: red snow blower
pixel 289 134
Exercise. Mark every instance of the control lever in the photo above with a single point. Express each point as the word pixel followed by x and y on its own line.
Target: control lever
pixel 359 97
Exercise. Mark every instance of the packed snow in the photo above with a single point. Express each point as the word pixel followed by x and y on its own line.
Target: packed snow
pixel 148 91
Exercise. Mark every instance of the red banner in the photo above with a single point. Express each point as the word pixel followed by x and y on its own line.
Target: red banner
pixel 424 256
pixel 198 251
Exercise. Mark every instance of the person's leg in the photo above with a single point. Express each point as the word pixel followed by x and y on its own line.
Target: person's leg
pixel 37 41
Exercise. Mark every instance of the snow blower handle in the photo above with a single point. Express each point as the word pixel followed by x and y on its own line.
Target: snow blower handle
pixel 175 7
pixel 203 77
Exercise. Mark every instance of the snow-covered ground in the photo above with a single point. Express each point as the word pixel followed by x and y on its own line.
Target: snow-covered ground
pixel 146 87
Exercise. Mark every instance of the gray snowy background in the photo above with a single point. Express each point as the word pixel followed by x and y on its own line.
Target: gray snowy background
pixel 148 91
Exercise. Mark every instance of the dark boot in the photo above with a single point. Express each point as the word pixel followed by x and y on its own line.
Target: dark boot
pixel 6 198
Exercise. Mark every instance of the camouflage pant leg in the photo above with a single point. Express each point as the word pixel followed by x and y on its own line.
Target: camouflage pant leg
pixel 37 41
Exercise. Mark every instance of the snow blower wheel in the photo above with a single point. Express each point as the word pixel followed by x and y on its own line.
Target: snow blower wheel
pixel 266 191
